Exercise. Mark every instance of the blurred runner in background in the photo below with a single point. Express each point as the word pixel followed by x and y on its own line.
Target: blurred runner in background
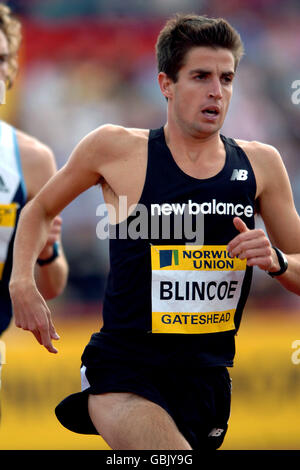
pixel 26 164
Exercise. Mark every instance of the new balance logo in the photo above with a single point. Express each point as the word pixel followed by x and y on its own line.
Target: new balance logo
pixel 240 175
pixel 216 432
pixel 3 187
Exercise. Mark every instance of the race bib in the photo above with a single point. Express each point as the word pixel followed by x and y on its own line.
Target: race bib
pixel 8 214
pixel 194 289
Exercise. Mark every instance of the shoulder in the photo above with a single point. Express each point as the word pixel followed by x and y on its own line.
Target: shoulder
pixel 108 145
pixel 264 158
pixel 111 137
pixel 267 164
pixel 120 132
pixel 259 152
pixel 38 162
pixel 33 151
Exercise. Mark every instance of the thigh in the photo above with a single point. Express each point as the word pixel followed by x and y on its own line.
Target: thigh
pixel 116 407
pixel 129 421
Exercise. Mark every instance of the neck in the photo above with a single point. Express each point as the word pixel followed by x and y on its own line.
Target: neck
pixel 192 146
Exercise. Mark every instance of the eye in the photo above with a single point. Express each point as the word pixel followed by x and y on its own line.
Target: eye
pixel 227 79
pixel 200 76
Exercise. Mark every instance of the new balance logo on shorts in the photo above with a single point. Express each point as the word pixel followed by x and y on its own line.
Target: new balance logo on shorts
pixel 216 432
pixel 240 175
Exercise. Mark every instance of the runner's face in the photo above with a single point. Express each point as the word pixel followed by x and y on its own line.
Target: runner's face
pixel 202 93
pixel 4 52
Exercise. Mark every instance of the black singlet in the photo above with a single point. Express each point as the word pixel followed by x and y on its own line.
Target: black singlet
pixel 166 295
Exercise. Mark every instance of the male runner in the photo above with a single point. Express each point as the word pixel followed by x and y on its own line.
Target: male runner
pixel 25 165
pixel 155 376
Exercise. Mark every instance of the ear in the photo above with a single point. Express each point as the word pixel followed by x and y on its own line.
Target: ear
pixel 165 84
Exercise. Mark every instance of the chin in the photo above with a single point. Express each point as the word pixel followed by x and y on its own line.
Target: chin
pixel 206 130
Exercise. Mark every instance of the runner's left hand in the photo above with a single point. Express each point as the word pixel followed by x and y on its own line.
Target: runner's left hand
pixel 254 246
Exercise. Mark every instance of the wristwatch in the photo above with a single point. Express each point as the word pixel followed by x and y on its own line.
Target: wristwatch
pixel 42 262
pixel 283 263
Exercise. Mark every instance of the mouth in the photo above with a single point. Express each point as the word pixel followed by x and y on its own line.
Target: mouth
pixel 211 112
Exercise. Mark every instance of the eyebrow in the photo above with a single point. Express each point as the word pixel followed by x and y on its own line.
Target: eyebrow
pixel 207 72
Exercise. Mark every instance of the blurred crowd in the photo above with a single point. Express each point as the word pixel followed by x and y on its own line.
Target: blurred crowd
pixel 89 62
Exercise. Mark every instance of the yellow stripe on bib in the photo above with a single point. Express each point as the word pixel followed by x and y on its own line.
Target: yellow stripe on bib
pixel 191 323
pixel 8 214
pixel 206 258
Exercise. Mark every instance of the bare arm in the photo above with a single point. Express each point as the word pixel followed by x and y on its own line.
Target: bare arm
pixel 39 166
pixel 281 219
pixel 51 276
pixel 81 172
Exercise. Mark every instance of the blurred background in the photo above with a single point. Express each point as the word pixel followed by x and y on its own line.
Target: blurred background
pixel 89 62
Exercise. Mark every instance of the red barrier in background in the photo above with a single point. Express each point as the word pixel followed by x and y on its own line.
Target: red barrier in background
pixel 105 40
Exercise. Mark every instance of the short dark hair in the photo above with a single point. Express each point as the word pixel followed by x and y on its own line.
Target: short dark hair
pixel 183 32
pixel 11 27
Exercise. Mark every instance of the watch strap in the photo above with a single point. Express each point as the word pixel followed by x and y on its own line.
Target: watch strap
pixel 55 254
pixel 283 263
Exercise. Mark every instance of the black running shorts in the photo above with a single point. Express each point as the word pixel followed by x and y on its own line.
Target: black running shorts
pixel 197 398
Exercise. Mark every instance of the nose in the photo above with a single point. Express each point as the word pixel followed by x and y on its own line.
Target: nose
pixel 215 89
